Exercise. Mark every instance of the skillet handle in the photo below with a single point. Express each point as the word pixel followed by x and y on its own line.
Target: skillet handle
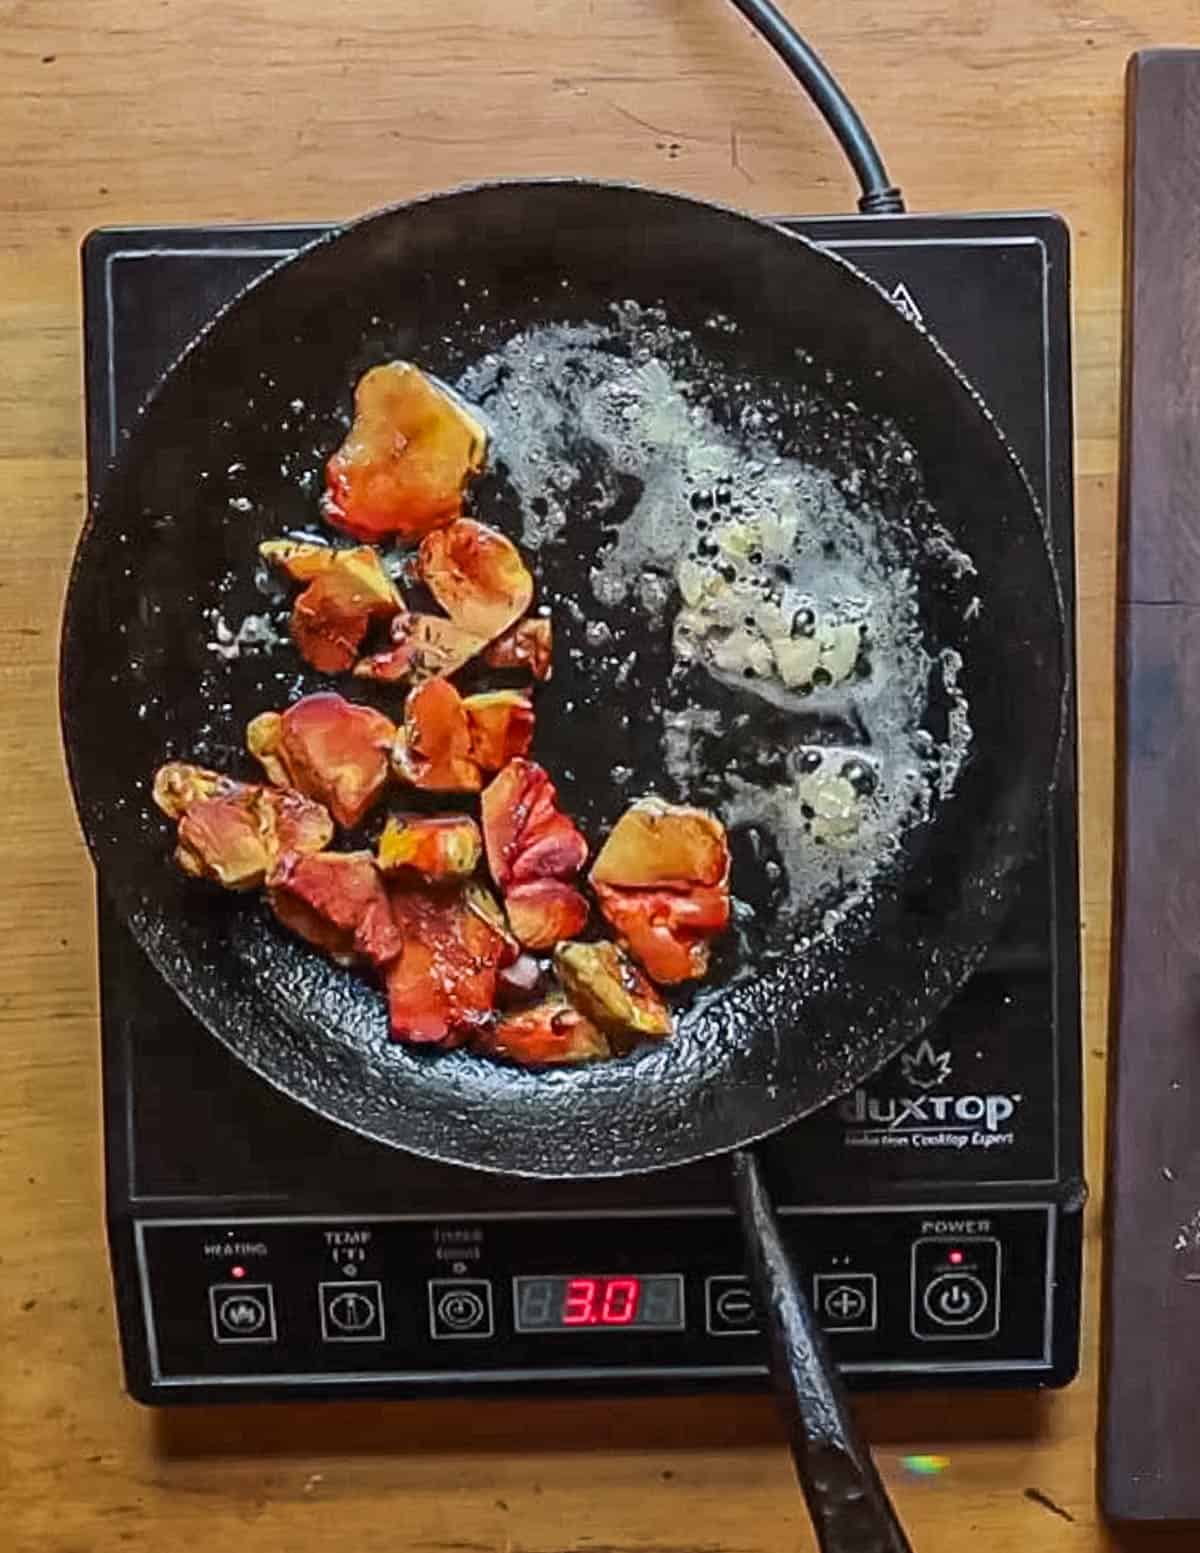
pixel 849 1506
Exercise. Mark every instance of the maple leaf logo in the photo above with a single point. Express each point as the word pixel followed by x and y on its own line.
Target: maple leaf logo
pixel 924 1068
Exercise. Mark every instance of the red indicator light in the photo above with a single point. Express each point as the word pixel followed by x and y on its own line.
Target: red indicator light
pixel 237 1272
pixel 955 1258
pixel 601 1302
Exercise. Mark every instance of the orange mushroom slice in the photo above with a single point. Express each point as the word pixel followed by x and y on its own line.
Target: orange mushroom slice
pixel 662 882
pixel 433 750
pixel 406 460
pixel 299 559
pixel 234 832
pixel 448 741
pixel 347 590
pixel 477 575
pixel 527 645
pixel 178 785
pixel 657 843
pixel 605 984
pixel 329 748
pixel 435 846
pixel 425 647
pixel 236 840
pixel 501 724
pixel 551 1034
pixel 442 986
pixel 337 901
pixel 223 839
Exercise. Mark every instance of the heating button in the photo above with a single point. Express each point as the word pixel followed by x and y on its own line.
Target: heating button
pixel 242 1312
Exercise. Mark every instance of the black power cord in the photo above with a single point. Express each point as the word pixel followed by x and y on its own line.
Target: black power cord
pixel 879 195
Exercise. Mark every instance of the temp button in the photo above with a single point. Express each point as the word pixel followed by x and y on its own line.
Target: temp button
pixel 955 1288
pixel 352 1312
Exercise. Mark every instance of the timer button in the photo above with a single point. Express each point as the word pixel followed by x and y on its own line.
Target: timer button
pixel 460 1307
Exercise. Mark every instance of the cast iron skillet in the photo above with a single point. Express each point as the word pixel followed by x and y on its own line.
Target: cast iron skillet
pixel 229 451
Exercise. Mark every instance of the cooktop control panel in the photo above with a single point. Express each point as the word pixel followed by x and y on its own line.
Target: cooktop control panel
pixel 331 1304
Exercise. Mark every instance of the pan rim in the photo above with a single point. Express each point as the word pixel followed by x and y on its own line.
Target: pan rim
pixel 128 453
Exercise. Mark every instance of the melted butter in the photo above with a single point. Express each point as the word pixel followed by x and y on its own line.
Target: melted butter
pixel 781 585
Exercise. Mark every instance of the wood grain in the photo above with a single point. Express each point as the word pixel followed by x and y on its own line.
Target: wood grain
pixel 1151 1430
pixel 172 111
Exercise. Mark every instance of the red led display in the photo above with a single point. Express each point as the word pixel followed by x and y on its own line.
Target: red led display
pixel 601 1302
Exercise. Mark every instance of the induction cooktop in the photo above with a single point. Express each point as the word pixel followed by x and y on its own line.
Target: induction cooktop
pixel 261 1252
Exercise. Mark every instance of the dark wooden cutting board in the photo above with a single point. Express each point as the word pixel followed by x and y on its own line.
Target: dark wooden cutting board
pixel 1150 1434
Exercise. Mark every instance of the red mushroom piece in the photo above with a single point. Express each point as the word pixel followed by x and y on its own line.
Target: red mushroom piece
pixel 234 832
pixel 551 1034
pixel 528 645
pixel 337 901
pixel 406 460
pixel 424 647
pixel 329 748
pixel 662 881
pixel 525 834
pixel 442 986
pixel 668 931
pixel 533 850
pixel 542 912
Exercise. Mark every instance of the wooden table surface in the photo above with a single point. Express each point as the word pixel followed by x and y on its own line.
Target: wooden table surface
pixel 172 111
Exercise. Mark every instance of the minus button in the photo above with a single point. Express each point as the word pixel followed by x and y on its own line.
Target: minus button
pixel 729 1306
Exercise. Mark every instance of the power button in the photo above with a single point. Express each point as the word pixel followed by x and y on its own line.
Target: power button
pixel 955 1288
pixel 955 1299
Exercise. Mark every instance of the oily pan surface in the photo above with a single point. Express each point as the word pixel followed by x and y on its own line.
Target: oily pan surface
pixel 230 452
